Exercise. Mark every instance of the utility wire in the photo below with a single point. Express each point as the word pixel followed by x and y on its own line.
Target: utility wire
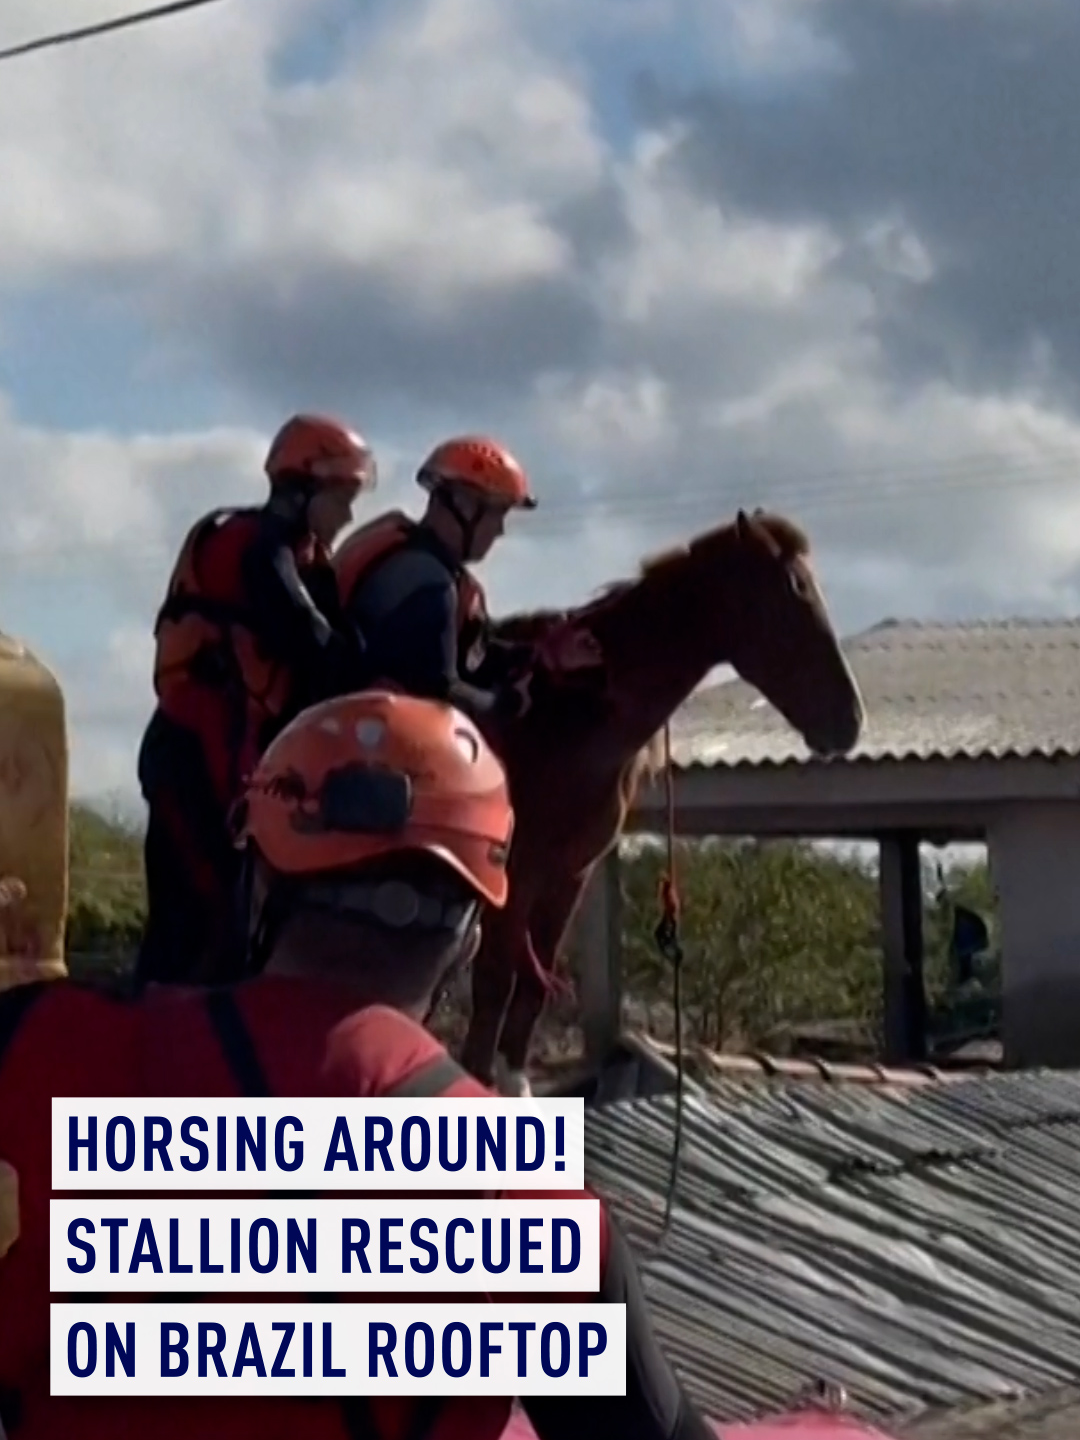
pixel 102 27
pixel 858 491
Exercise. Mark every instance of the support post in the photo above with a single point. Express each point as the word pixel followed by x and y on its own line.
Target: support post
pixel 900 879
pixel 600 949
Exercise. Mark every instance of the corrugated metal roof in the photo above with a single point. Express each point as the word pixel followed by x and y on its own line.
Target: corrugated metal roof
pixel 712 1066
pixel 919 1246
pixel 995 688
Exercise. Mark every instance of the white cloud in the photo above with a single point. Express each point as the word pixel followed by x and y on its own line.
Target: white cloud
pixel 447 210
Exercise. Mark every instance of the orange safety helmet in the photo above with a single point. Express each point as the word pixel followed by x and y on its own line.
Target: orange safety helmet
pixel 481 464
pixel 379 773
pixel 321 449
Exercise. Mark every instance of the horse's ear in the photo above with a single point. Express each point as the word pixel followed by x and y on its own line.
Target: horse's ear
pixel 743 527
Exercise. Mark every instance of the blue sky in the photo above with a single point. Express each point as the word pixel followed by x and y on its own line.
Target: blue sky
pixel 682 254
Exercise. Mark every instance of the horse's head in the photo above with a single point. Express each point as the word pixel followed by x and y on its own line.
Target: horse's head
pixel 779 636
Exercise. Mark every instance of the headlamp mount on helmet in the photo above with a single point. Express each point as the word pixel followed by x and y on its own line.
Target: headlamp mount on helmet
pixel 358 799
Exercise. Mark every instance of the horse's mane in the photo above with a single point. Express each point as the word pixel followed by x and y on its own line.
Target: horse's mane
pixel 790 539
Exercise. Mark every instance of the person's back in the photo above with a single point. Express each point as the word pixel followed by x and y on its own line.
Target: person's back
pixel 378 827
pixel 244 641
pixel 408 591
pixel 56 1038
pixel 293 1036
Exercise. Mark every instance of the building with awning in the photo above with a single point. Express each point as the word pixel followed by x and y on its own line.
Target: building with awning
pixel 973 735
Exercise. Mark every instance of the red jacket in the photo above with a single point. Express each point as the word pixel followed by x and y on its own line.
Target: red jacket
pixel 268 1036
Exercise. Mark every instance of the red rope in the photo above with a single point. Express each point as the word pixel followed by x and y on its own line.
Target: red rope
pixel 669 886
pixel 667 940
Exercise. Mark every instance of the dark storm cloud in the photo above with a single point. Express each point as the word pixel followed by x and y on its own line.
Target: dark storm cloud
pixel 960 119
pixel 342 334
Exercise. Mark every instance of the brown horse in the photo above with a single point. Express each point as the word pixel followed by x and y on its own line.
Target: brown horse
pixel 743 594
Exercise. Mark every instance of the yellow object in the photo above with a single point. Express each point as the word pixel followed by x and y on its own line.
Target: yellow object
pixel 33 819
pixel 9 1207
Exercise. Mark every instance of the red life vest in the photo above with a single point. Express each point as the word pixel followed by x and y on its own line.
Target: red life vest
pixel 206 610
pixel 361 551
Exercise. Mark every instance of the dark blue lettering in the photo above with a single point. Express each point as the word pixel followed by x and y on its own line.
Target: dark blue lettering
pixel 557 1228
pixel 415 1122
pixel 81 1372
pixel 114 1349
pixel 129 1142
pixel 176 1347
pixel 75 1144
pixel 504 1232
pixel 486 1142
pixel 528 1246
pixel 378 1347
pixel 419 1328
pixel 371 1144
pixel 444 1143
pixel 295 1241
pixel 85 1245
pixel 585 1350
pixel 249 1341
pixel 486 1347
pixel 341 1146
pixel 253 1246
pixel 296 1147
pixel 538 1131
pixel 211 1352
pixel 386 1245
pixel 276 1370
pixel 145 1251
pixel 466 1349
pixel 432 1252
pixel 555 1327
pixel 153 1146
pixel 248 1144
pixel 458 1267
pixel 175 1268
pixel 199 1146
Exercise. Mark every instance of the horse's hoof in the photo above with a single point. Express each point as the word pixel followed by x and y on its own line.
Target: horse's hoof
pixel 514 1084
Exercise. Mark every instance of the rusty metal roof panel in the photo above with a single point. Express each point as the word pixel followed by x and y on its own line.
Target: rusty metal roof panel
pixel 991 689
pixel 919 1247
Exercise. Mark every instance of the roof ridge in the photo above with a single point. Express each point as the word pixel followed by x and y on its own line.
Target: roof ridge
pixel 892 626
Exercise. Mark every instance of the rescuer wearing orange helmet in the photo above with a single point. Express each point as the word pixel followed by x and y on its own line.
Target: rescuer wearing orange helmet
pixel 407 589
pixel 377 828
pixel 249 634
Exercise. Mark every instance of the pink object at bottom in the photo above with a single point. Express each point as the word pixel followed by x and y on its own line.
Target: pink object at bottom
pixel 802 1425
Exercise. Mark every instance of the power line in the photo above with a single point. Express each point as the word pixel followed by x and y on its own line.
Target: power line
pixel 826 492
pixel 102 27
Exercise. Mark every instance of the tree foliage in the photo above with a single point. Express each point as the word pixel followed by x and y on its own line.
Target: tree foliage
pixel 777 935
pixel 107 891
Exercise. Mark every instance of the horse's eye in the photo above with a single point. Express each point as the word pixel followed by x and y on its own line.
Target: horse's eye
pixel 801 585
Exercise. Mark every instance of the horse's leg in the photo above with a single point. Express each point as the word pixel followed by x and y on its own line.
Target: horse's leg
pixel 501 954
pixel 549 921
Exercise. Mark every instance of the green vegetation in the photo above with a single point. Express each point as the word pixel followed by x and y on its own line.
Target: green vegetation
pixel 777 935
pixel 107 900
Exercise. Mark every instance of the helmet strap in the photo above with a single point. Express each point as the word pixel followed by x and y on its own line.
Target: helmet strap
pixel 291 497
pixel 269 923
pixel 393 907
pixel 468 526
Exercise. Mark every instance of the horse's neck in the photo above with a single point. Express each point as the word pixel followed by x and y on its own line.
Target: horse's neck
pixel 658 675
